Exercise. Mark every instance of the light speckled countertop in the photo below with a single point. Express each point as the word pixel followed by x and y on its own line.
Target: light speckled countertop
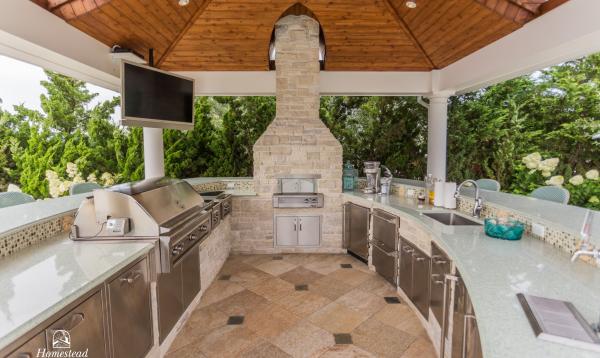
pixel 494 271
pixel 39 281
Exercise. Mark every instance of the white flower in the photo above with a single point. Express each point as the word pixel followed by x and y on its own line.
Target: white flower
pixel 556 180
pixel 548 165
pixel 51 174
pixel 71 169
pixel 592 174
pixel 532 161
pixel 107 178
pixel 78 179
pixel 546 174
pixel 92 178
pixel 576 180
pixel 594 200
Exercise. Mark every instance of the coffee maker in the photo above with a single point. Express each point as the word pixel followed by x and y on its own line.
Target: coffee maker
pixel 373 172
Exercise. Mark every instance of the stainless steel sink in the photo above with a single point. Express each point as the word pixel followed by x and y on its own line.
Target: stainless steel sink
pixel 452 219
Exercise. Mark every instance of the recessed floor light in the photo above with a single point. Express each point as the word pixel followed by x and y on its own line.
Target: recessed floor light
pixel 235 320
pixel 411 4
pixel 183 2
pixel 342 338
pixel 392 300
pixel 346 265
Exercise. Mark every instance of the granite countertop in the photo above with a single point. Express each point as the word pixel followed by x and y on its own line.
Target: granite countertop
pixel 39 281
pixel 494 271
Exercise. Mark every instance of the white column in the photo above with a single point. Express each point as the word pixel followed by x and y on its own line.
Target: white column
pixel 154 154
pixel 437 131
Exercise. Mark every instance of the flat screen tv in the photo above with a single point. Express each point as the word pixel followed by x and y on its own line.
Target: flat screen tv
pixel 155 98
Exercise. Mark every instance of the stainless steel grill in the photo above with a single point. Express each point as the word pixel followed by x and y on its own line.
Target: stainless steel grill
pixel 167 210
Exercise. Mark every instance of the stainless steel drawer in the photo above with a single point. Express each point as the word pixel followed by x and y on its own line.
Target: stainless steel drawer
pixel 386 263
pixel 385 229
pixel 83 327
pixel 131 312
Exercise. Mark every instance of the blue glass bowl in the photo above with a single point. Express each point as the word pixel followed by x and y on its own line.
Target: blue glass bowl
pixel 508 230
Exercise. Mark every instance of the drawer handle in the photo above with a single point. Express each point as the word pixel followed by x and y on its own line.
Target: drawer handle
pixel 418 258
pixel 408 249
pixel 74 321
pixel 130 278
pixel 438 261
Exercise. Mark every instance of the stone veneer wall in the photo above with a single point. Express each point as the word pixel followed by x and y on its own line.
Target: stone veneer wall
pixel 296 142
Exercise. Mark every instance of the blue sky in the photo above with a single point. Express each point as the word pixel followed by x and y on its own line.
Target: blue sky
pixel 20 84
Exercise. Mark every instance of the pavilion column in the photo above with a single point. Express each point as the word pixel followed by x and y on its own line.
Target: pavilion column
pixel 437 132
pixel 154 155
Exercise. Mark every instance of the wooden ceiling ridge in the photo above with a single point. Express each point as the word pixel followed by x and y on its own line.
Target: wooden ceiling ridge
pixel 71 9
pixel 183 31
pixel 509 10
pixel 408 32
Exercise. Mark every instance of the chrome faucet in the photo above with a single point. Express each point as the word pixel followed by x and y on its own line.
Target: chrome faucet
pixel 584 249
pixel 478 201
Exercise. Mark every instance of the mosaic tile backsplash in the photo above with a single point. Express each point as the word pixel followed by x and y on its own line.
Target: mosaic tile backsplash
pixel 36 233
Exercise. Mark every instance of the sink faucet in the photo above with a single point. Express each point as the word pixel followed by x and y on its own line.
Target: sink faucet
pixel 478 201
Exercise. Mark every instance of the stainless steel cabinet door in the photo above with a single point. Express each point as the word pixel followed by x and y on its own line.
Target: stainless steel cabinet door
pixel 357 229
pixel 30 349
pixel 420 285
pixel 131 312
pixel 84 326
pixel 440 266
pixel 465 333
pixel 406 268
pixel 309 230
pixel 170 302
pixel 190 267
pixel 286 230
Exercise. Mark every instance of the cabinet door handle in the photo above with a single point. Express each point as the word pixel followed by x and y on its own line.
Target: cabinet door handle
pixel 75 320
pixel 419 258
pixel 130 278
pixel 408 249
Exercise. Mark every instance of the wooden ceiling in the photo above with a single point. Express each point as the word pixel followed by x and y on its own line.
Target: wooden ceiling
pixel 368 35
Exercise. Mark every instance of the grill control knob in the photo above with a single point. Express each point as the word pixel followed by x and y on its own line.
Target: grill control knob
pixel 203 227
pixel 192 237
pixel 306 200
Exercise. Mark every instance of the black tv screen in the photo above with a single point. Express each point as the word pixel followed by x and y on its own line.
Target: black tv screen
pixel 154 98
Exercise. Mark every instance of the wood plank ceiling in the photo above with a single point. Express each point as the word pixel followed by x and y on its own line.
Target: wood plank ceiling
pixel 368 35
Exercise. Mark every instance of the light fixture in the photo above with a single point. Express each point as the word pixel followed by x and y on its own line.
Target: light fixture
pixel 183 2
pixel 411 4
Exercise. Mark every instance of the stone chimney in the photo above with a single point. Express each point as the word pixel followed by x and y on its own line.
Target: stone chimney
pixel 296 142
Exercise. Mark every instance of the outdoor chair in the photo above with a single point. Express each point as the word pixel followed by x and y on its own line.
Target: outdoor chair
pixel 551 193
pixel 81 188
pixel 13 198
pixel 488 184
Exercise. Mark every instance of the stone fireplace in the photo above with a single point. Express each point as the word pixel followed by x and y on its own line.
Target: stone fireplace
pixel 296 142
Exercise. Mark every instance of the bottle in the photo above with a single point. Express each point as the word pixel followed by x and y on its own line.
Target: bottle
pixel 429 188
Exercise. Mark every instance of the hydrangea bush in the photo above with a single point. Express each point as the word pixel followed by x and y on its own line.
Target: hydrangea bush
pixel 60 186
pixel 536 171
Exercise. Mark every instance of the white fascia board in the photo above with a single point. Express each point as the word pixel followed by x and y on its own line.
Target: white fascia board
pixel 32 34
pixel 232 83
pixel 262 83
pixel 570 31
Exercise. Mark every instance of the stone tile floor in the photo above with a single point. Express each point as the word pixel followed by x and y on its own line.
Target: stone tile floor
pixel 300 305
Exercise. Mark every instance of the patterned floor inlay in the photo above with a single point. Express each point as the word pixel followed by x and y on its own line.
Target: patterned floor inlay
pixel 392 300
pixel 342 338
pixel 300 305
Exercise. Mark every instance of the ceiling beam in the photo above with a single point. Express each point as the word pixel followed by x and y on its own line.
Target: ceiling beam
pixel 407 30
pixel 508 10
pixel 183 31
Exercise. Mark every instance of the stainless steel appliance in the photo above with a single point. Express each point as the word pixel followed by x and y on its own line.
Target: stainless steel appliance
pixel 373 172
pixel 298 200
pixel 385 245
pixel 218 203
pixel 168 211
pixel 356 230
pixel 465 333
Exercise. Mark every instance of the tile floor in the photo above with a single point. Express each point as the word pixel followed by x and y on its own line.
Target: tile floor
pixel 300 305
